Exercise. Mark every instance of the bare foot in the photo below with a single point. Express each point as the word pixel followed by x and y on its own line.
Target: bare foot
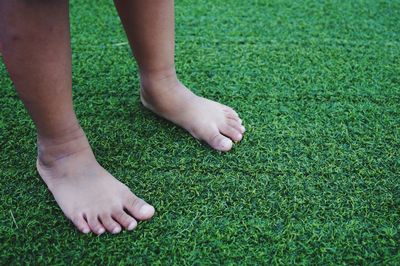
pixel 87 194
pixel 212 122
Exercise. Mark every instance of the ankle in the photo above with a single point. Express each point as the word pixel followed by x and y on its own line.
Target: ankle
pixel 51 150
pixel 155 77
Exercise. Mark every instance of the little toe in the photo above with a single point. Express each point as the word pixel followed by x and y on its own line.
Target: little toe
pixel 137 207
pixel 81 224
pixel 231 132
pixel 95 225
pixel 127 221
pixel 109 223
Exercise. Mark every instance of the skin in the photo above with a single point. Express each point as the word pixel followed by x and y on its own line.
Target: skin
pixel 38 59
pixel 149 26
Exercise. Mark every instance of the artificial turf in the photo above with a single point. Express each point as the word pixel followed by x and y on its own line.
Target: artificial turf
pixel 315 180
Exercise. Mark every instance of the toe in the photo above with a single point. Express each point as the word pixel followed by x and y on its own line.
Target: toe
pixel 127 221
pixel 231 132
pixel 95 225
pixel 81 224
pixel 219 141
pixel 109 223
pixel 137 207
pixel 236 125
pixel 234 119
pixel 232 114
pixel 228 109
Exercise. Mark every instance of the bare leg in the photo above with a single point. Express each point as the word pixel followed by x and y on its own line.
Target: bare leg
pixel 36 49
pixel 149 26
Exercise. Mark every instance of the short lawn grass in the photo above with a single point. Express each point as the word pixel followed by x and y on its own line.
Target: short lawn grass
pixel 315 180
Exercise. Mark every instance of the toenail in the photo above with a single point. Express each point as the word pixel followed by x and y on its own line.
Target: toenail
pixel 116 230
pixel 86 230
pixel 145 210
pixel 242 128
pixel 225 143
pixel 132 226
pixel 101 230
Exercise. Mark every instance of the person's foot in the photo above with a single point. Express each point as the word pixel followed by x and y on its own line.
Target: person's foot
pixel 87 194
pixel 212 122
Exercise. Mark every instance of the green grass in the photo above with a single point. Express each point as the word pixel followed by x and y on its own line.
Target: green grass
pixel 315 180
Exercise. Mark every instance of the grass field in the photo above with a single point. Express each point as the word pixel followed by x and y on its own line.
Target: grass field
pixel 315 180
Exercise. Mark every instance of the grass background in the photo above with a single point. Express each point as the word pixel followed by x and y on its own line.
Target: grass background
pixel 315 180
